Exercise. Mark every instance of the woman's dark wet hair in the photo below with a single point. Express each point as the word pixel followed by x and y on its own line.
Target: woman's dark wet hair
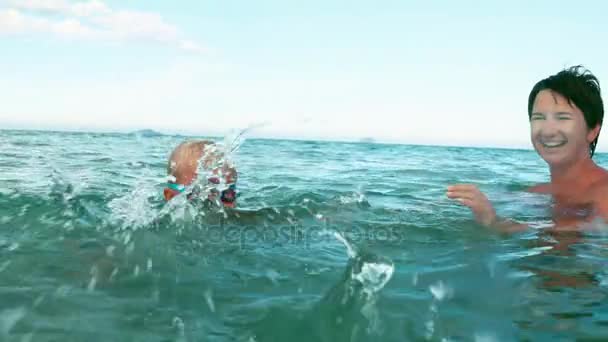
pixel 581 88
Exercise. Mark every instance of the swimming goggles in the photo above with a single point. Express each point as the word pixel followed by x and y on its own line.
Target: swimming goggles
pixel 227 196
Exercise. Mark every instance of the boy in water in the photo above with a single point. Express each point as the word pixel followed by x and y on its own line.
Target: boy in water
pixel 183 167
pixel 566 113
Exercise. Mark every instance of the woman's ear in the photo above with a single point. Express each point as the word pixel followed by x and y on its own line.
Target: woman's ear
pixel 593 133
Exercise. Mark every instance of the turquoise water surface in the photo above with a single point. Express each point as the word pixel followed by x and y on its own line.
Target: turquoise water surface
pixel 330 242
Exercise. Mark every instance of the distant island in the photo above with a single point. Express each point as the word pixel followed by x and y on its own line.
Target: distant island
pixel 367 140
pixel 147 133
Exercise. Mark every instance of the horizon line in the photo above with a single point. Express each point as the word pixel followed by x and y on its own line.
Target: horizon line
pixel 362 140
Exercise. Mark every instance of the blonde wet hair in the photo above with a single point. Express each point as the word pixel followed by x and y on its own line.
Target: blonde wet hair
pixel 183 161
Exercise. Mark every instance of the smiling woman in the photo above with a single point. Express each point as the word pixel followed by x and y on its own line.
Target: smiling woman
pixel 572 94
pixel 559 132
pixel 566 114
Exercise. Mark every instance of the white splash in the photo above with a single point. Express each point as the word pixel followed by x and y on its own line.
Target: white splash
pixel 523 254
pixel 355 197
pixel 349 249
pixel 135 209
pixel 93 281
pixel 440 291
pixel 374 276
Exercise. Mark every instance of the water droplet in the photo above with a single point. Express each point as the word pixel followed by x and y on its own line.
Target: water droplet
pixel 127 238
pixel 179 325
pixel 10 317
pixel 92 284
pixel 349 249
pixel 273 276
pixel 209 298
pixel 114 272
pixel 430 329
pixel 440 291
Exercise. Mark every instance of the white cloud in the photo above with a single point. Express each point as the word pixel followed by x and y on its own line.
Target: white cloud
pixel 91 20
pixel 85 9
pixel 129 24
pixel 13 22
pixel 39 5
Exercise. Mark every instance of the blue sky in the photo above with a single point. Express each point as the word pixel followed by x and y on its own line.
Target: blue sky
pixel 431 72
